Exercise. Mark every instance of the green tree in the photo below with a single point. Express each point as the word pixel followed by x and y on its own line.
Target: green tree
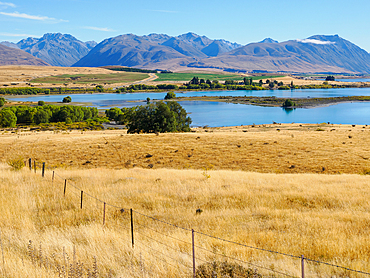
pixel 260 82
pixel 24 114
pixel 182 120
pixel 158 117
pixel 113 114
pixel 271 85
pixel 330 78
pixel 7 118
pixel 40 103
pixel 42 116
pixel 194 81
pixel 170 95
pixel 288 103
pixel 2 101
pixel 208 82
pixel 99 88
pixel 67 99
pixel 147 100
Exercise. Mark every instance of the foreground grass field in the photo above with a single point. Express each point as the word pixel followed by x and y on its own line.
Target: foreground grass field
pixel 120 77
pixel 288 207
pixel 43 234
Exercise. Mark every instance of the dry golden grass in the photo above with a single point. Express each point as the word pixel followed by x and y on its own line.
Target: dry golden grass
pixel 275 148
pixel 23 74
pixel 324 217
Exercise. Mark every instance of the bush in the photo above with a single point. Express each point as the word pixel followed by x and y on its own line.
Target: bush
pixel 223 270
pixel 99 88
pixel 170 95
pixel 2 101
pixel 41 103
pixel 16 163
pixel 67 99
pixel 288 103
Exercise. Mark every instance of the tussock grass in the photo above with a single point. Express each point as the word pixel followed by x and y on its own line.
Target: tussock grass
pixel 269 148
pixel 324 217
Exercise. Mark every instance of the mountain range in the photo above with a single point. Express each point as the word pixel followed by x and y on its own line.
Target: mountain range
pixel 320 53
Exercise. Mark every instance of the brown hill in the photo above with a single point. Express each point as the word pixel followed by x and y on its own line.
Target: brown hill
pixel 13 56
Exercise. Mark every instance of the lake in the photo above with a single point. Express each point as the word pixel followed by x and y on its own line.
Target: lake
pixel 228 114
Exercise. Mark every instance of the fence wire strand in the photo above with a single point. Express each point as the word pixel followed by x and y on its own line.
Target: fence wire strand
pixel 145 226
pixel 241 261
pixel 164 244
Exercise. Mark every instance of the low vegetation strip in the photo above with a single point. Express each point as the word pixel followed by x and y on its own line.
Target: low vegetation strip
pixel 24 91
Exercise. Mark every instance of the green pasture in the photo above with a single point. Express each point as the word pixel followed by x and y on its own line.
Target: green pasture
pixel 162 77
pixel 119 77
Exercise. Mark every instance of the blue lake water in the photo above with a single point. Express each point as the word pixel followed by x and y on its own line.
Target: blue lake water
pixel 367 79
pixel 228 114
pixel 354 80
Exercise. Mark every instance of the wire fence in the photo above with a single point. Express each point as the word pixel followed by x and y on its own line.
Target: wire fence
pixel 188 252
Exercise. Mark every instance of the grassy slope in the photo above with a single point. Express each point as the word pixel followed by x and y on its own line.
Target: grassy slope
pixel 119 77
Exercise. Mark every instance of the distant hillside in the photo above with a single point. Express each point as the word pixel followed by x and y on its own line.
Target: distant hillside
pixel 57 49
pixel 10 44
pixel 14 56
pixel 154 51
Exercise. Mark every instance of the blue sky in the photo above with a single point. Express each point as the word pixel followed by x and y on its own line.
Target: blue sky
pixel 240 21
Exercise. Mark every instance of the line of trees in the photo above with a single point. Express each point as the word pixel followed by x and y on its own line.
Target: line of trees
pixel 24 91
pixel 10 116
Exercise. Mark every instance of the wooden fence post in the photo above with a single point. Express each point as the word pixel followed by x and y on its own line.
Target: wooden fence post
pixel 132 229
pixel 65 187
pixel 302 263
pixel 43 169
pixel 30 163
pixel 52 178
pixel 34 165
pixel 82 196
pixel 193 245
pixel 104 214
